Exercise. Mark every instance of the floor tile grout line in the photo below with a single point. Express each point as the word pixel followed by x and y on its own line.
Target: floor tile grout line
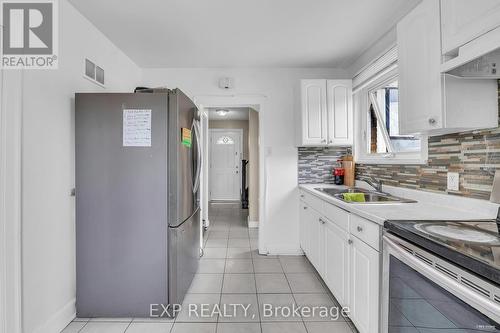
pixel 221 289
pixel 81 329
pixel 256 290
pixel 293 296
pixel 125 331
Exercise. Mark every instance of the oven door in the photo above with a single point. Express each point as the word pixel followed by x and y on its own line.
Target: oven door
pixel 424 293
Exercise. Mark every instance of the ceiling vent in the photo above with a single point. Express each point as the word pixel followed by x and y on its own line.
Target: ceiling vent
pixel 94 73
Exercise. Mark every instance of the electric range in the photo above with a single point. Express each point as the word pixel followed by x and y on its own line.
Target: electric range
pixel 441 275
pixel 473 245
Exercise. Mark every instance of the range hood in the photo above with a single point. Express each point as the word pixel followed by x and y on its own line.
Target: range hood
pixel 484 67
pixel 477 59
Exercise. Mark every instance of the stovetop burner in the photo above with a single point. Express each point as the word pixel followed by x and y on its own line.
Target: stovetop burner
pixel 466 232
pixel 474 245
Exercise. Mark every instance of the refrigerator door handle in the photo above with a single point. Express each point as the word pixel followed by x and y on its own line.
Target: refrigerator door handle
pixel 196 183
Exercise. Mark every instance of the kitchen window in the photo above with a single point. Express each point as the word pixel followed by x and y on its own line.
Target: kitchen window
pixel 379 140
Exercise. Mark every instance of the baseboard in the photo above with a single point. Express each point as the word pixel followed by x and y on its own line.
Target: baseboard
pixel 285 250
pixel 252 224
pixel 60 319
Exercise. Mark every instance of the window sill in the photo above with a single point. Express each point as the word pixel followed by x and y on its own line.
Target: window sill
pixel 395 160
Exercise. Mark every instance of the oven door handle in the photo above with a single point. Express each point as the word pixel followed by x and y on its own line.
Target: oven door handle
pixel 482 304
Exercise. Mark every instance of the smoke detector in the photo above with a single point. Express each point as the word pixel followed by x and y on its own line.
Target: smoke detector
pixel 226 83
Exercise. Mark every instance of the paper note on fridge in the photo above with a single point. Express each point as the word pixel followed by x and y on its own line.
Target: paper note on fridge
pixel 136 128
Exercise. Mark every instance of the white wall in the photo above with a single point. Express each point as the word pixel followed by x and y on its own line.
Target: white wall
pixel 277 128
pixel 48 221
pixel 378 48
pixel 253 167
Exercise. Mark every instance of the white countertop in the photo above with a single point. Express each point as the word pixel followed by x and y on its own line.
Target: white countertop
pixel 429 205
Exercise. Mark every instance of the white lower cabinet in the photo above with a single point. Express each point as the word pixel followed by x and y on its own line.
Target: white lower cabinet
pixel 315 240
pixel 337 261
pixel 336 243
pixel 364 289
pixel 304 227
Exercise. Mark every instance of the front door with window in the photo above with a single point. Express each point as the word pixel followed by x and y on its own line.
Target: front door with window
pixel 225 161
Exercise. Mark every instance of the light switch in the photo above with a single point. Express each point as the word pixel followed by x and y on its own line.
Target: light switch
pixel 453 181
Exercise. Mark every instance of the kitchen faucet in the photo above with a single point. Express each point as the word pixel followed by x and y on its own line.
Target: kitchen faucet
pixel 376 184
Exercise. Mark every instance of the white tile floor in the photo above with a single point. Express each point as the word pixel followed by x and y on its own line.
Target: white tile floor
pixel 232 272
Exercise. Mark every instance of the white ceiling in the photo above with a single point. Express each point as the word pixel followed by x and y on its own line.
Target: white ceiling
pixel 233 114
pixel 244 33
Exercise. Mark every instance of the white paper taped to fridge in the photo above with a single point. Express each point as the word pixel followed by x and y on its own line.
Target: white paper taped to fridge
pixel 136 128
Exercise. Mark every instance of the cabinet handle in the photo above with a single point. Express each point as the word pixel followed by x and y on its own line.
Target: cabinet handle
pixel 301 195
pixel 305 207
pixel 359 228
pixel 349 241
pixel 322 221
pixel 432 121
pixel 323 141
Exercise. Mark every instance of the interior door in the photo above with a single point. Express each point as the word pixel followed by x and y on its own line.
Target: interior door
pixel 225 164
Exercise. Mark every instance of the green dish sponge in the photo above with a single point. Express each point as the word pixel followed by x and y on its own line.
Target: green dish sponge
pixel 354 197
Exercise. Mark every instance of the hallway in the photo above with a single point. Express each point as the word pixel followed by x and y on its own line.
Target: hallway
pixel 231 275
pixel 233 270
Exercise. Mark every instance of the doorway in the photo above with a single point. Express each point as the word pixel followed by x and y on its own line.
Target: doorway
pixel 245 117
pixel 232 128
pixel 226 148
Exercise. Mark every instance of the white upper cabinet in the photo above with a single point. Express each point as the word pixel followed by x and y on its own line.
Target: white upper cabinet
pixel 339 106
pixel 431 102
pixel 314 115
pixel 326 113
pixel 464 20
pixel 419 54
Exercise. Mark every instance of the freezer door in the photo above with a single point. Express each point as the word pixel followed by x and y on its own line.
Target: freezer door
pixel 121 213
pixel 184 251
pixel 183 165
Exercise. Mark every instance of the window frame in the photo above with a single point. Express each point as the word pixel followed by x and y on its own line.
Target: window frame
pixel 361 104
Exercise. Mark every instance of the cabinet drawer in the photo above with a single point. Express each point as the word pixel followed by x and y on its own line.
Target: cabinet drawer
pixel 367 231
pixel 337 215
pixel 312 201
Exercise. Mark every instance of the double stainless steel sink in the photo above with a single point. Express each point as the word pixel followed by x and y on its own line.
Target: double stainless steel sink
pixel 369 197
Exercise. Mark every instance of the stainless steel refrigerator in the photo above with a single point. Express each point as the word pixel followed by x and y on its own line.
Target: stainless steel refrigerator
pixel 137 205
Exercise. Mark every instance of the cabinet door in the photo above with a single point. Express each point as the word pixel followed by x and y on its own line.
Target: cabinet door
pixel 313 112
pixel 304 227
pixel 339 106
pixel 315 242
pixel 419 60
pixel 465 20
pixel 364 287
pixel 337 262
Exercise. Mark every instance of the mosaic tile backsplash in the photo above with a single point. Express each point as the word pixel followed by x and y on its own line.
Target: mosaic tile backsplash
pixel 475 155
pixel 316 163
